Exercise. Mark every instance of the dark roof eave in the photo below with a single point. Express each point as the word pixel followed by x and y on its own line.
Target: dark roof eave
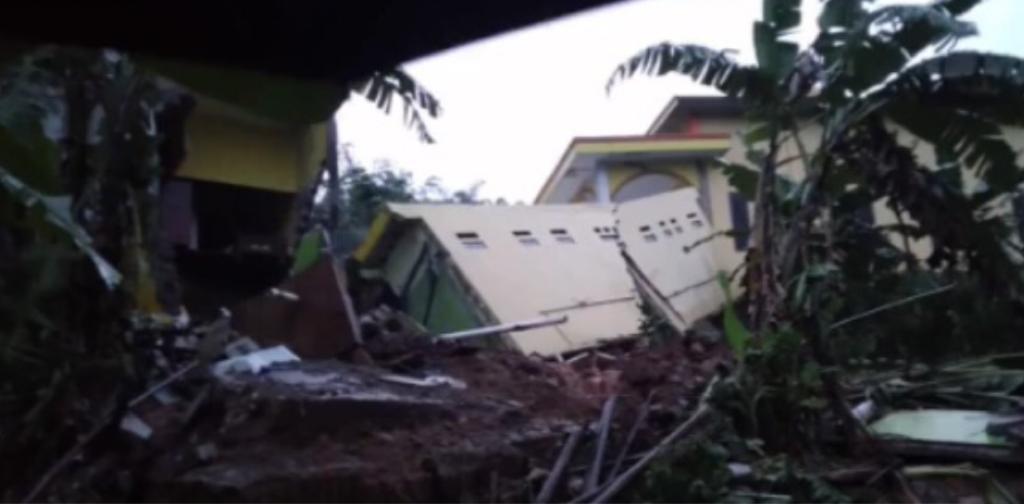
pixel 313 40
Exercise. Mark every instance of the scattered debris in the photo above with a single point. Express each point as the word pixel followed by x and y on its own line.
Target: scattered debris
pixel 425 418
pixel 255 362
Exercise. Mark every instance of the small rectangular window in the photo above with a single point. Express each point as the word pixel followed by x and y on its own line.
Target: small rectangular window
pixel 526 238
pixel 607 233
pixel 562 236
pixel 644 229
pixel 471 240
pixel 740 220
pixel 650 237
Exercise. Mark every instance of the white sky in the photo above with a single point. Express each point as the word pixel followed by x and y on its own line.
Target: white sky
pixel 512 103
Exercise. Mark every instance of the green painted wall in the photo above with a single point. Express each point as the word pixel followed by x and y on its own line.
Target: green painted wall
pixel 449 311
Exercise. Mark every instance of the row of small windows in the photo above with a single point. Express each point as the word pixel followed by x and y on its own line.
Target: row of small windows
pixel 669 227
pixel 472 240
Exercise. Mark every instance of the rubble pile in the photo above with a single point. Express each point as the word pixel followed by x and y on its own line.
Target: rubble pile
pixel 407 417
pixel 402 418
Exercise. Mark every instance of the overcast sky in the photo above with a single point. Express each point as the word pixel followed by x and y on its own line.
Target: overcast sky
pixel 512 103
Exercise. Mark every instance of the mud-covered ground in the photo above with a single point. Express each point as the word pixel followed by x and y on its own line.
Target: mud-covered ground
pixel 329 430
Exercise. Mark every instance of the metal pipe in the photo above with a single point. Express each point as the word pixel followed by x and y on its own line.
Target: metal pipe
pixel 503 328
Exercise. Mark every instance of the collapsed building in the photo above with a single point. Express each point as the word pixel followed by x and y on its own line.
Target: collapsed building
pixel 586 266
pixel 621 222
pixel 229 211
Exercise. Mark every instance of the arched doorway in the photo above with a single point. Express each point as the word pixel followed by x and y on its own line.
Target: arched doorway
pixel 648 184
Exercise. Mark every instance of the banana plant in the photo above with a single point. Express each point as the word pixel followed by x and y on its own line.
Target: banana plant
pixel 866 71
pixel 870 79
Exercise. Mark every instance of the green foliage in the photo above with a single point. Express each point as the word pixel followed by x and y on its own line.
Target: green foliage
pixel 860 48
pixel 653 325
pixel 742 178
pixel 736 335
pixel 25 150
pixel 700 473
pixel 819 257
pixel 687 474
pixel 383 86
pixel 964 115
pixel 704 65
pixel 782 474
pixel 56 213
pixel 775 56
pixel 78 208
pixel 363 193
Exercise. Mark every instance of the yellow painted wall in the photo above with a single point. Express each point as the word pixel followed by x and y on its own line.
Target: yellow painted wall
pixel 233 151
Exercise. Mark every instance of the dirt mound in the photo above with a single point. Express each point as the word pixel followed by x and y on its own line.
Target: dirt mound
pixel 433 422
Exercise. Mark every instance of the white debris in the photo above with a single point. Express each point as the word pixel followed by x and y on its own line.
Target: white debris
pixel 135 425
pixel 241 346
pixel 165 397
pixel 428 381
pixel 206 451
pixel 256 361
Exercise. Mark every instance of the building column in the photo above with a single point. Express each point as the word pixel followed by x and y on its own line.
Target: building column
pixel 601 189
pixel 704 190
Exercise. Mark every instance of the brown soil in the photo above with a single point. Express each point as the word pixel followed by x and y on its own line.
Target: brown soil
pixel 431 443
